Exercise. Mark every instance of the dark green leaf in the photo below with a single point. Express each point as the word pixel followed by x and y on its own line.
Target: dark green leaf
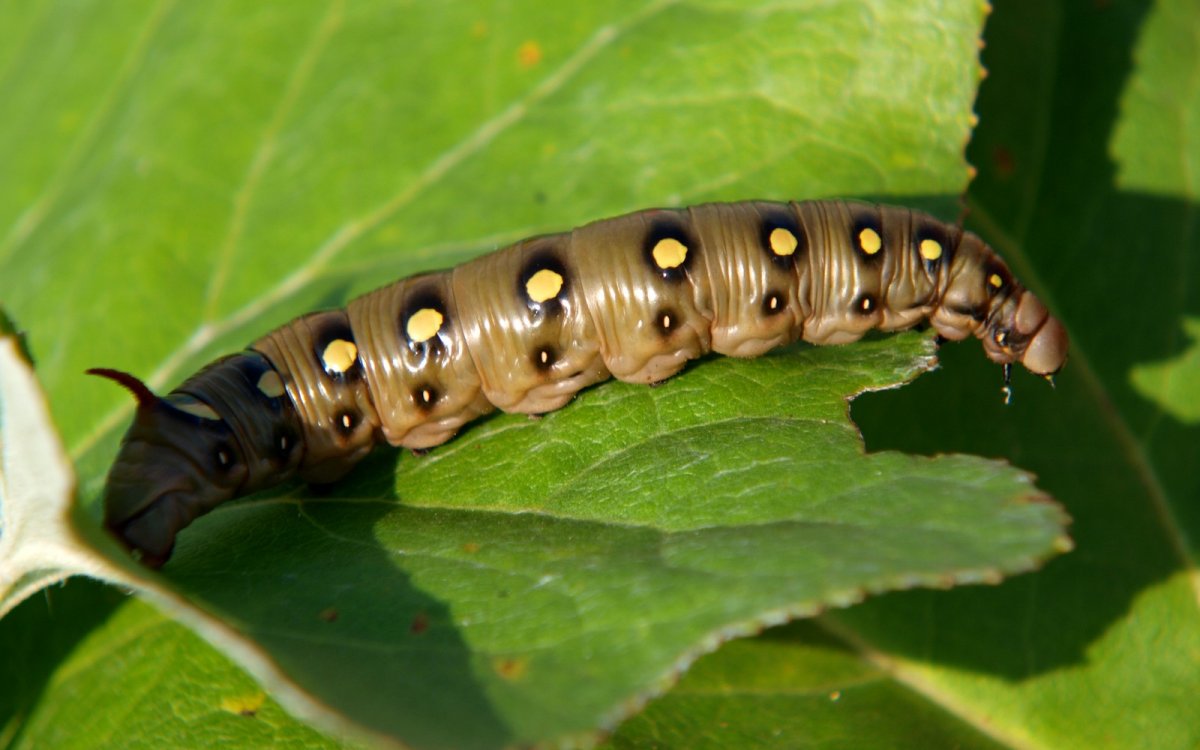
pixel 202 171
pixel 1101 650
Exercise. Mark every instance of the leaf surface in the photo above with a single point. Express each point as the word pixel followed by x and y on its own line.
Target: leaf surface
pixel 200 180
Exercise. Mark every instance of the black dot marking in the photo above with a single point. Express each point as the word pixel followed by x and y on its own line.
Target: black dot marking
pixel 198 412
pixel 425 298
pixel 346 422
pixel 666 321
pixel 544 258
pixel 866 226
pixel 544 358
pixel 865 304
pixel 778 219
pixel 667 227
pixel 326 329
pixel 425 396
pixel 773 304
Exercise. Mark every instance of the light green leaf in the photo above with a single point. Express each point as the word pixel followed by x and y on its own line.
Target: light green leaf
pixel 1174 383
pixel 1153 142
pixel 89 667
pixel 206 170
pixel 796 686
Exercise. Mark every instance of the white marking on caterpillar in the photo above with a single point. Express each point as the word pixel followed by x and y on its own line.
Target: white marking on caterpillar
pixel 270 384
pixel 195 407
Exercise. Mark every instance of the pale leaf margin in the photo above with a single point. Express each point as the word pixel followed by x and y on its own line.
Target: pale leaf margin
pixel 42 543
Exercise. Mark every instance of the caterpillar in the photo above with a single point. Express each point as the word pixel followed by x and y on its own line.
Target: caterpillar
pixel 526 327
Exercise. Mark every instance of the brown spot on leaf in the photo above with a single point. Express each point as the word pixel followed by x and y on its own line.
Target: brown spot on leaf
pixel 511 668
pixel 1004 161
pixel 529 54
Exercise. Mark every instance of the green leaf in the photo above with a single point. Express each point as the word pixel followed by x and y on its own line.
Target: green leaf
pixel 1101 650
pixel 593 565
pixel 1153 139
pixel 90 668
pixel 1174 383
pixel 795 686
pixel 206 170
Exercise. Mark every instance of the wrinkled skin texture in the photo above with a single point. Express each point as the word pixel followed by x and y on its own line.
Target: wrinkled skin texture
pixel 634 297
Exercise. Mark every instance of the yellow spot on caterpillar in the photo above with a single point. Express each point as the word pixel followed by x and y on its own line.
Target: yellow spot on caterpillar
pixel 347 421
pixel 669 253
pixel 424 324
pixel 773 302
pixel 244 705
pixel 995 280
pixel 544 356
pixel 270 384
pixel 511 668
pixel 931 249
pixel 870 241
pixel 426 396
pixel 1001 337
pixel 194 406
pixel 529 54
pixel 783 242
pixel 339 355
pixel 544 285
pixel 867 304
pixel 666 321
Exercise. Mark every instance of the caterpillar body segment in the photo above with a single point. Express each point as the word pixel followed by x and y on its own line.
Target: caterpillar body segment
pixel 525 328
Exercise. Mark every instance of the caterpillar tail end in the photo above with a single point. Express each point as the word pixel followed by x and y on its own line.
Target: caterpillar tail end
pixel 161 480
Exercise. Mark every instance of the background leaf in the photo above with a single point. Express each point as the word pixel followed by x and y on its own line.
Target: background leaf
pixel 1103 648
pixel 228 161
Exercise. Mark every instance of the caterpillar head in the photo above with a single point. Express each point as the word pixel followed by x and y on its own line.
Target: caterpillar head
pixel 1046 352
pixel 1024 331
pixel 178 461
